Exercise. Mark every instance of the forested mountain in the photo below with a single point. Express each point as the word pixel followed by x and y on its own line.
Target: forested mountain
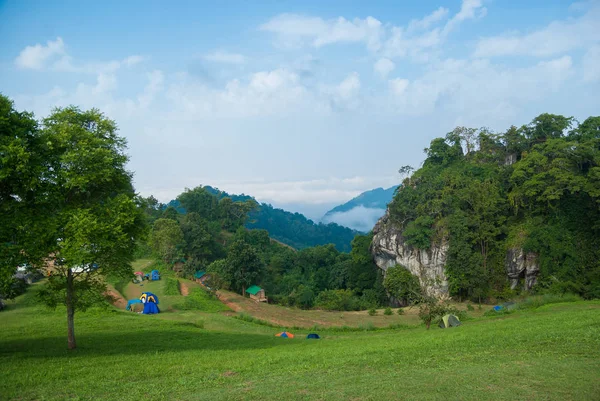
pixel 208 234
pixel 362 212
pixel 290 228
pixel 482 198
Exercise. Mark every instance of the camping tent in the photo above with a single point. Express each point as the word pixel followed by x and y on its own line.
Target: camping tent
pixel 313 336
pixel 131 303
pixel 449 321
pixel 155 275
pixel 284 334
pixel 150 302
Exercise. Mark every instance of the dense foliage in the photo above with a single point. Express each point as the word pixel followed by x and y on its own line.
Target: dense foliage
pixel 535 188
pixel 66 199
pixel 206 230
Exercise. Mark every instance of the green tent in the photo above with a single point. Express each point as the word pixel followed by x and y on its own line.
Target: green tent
pixel 253 290
pixel 449 321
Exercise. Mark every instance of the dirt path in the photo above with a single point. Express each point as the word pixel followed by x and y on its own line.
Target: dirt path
pixel 118 299
pixel 233 306
pixel 184 289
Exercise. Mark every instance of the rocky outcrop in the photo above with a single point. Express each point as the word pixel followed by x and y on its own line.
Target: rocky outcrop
pixel 389 249
pixel 522 265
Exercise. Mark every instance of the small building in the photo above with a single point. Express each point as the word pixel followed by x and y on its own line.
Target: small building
pixel 257 294
pixel 200 276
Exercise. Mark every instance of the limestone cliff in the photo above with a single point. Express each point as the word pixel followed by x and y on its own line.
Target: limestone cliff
pixel 389 249
pixel 520 264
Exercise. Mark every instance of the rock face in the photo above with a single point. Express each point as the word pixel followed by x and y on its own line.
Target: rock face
pixel 522 265
pixel 389 249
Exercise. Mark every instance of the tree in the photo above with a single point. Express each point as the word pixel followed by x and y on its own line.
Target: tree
pixel 95 216
pixel 200 238
pixel 166 239
pixel 244 265
pixel 402 285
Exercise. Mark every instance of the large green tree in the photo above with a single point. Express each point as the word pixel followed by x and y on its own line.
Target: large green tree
pixel 92 215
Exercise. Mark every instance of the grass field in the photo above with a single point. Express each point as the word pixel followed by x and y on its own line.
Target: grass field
pixel 550 353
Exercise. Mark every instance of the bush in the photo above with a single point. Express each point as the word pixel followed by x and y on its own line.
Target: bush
pixel 470 308
pixel 372 312
pixel 400 311
pixel 367 326
pixel 387 311
pixel 171 286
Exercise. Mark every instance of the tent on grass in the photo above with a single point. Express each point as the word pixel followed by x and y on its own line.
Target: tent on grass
pixel 257 293
pixel 313 336
pixel 284 334
pixel 155 275
pixel 131 304
pixel 449 321
pixel 150 302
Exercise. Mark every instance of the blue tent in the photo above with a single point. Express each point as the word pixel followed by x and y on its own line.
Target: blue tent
pixel 150 302
pixel 131 302
pixel 313 336
pixel 155 275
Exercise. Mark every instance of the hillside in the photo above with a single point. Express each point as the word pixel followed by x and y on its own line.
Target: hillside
pixel 293 229
pixel 362 212
pixel 197 355
pixel 490 212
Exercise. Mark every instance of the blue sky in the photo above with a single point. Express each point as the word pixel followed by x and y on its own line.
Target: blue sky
pixel 303 104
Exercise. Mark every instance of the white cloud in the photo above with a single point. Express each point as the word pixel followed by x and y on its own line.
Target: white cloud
pixel 383 67
pixel 35 57
pixel 225 57
pixel 591 64
pixel 132 60
pixel 470 9
pixel 358 218
pixel 54 56
pixel 477 90
pixel 156 79
pixel 322 32
pixel 398 85
pixel 556 38
pixel 429 20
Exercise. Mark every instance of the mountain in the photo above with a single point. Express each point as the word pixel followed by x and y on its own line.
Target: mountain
pixel 293 229
pixel 361 213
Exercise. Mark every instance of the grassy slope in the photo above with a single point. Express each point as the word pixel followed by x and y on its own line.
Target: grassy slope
pixel 550 353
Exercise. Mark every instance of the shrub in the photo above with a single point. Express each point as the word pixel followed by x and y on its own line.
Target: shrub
pixel 470 308
pixel 400 311
pixel 199 323
pixel 171 286
pixel 368 326
pixel 372 312
pixel 430 310
pixel 387 311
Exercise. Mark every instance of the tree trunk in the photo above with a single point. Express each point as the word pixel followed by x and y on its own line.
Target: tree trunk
pixel 70 310
pixel 243 290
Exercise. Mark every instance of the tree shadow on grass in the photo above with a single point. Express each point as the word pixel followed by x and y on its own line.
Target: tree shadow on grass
pixel 180 337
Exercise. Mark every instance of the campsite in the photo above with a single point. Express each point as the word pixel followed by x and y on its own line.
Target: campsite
pixel 300 200
pixel 550 352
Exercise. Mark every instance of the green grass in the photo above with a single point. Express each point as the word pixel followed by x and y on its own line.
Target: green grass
pixel 171 286
pixel 200 299
pixel 548 353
